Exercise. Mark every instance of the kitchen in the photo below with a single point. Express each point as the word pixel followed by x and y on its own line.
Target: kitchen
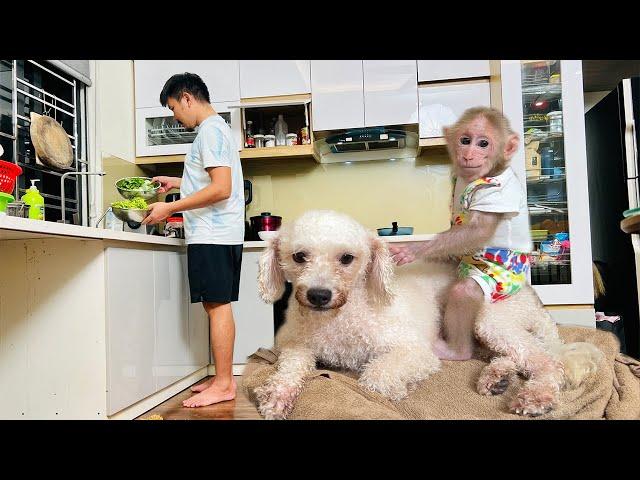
pixel 81 329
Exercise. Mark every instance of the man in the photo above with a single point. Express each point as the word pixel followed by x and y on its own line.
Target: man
pixel 212 203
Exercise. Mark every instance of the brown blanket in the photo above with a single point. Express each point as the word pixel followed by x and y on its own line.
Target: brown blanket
pixel 612 393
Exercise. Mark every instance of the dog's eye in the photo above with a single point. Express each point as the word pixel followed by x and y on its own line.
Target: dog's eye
pixel 299 257
pixel 346 259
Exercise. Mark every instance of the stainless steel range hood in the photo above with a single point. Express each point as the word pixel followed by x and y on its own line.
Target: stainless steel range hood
pixel 361 144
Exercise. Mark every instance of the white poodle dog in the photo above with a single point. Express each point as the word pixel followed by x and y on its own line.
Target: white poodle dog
pixel 349 310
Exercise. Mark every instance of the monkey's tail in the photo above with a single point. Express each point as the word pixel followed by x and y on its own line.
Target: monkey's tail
pixel 580 360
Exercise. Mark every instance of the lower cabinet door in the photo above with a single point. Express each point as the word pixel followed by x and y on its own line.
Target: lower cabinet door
pixel 174 355
pixel 130 327
pixel 253 317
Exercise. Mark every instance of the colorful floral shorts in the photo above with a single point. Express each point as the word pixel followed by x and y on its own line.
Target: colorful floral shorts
pixel 500 272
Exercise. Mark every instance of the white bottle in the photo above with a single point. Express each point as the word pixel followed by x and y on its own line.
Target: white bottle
pixel 281 130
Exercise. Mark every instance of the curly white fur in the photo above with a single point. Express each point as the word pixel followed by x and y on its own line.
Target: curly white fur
pixel 386 337
pixel 381 321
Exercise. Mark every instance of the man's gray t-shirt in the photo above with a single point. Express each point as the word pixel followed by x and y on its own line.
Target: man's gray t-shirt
pixel 223 222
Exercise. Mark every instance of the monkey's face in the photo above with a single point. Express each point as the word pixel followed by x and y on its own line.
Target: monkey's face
pixel 476 148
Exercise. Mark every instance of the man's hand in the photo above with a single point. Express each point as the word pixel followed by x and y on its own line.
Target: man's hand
pixel 158 211
pixel 402 253
pixel 167 183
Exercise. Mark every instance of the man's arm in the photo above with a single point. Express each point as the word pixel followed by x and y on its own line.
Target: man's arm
pixel 219 189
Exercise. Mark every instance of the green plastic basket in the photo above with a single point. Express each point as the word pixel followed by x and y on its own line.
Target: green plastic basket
pixel 4 199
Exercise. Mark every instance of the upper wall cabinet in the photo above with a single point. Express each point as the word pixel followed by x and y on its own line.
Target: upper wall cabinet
pixel 432 70
pixel 442 103
pixel 268 78
pixel 337 95
pixel 390 92
pixel 221 77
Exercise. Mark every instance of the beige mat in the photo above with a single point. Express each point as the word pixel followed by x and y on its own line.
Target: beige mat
pixel 613 393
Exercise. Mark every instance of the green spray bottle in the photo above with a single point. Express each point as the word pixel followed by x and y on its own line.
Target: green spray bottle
pixel 35 201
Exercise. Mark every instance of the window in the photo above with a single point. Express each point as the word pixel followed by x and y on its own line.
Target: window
pixel 28 86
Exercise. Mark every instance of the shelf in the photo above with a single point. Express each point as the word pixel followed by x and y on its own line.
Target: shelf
pixel 275 152
pixel 160 159
pixel 270 152
pixel 542 89
pixel 281 101
pixel 434 143
pixel 545 179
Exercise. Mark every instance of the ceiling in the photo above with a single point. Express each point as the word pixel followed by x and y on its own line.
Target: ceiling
pixel 601 75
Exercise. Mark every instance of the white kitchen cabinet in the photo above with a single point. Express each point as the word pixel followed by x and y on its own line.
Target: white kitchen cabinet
pixel 253 317
pixel 158 134
pixel 267 78
pixel 221 77
pixel 557 192
pixel 154 336
pixel 442 104
pixel 130 327
pixel 390 92
pixel 172 359
pixel 337 94
pixel 433 70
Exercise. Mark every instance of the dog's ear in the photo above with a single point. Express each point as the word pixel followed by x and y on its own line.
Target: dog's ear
pixel 380 271
pixel 270 275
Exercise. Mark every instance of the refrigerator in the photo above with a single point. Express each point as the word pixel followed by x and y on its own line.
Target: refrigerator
pixel 611 129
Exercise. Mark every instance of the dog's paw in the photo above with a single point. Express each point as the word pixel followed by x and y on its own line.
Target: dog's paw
pixel 533 401
pixel 384 384
pixel 493 381
pixel 275 401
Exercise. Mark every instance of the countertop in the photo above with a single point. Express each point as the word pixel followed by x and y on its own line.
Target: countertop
pixel 14 228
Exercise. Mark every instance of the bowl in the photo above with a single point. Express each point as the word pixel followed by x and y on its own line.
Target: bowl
pixel 267 234
pixel 130 215
pixel 146 194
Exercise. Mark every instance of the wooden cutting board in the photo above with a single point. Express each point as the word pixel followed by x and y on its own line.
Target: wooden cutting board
pixel 51 142
pixel 631 224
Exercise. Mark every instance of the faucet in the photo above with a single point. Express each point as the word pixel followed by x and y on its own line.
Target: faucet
pixel 62 186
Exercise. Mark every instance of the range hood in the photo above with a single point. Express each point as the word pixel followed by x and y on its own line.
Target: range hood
pixel 374 143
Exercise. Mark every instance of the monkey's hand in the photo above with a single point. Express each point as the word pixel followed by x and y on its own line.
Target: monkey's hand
pixel 402 253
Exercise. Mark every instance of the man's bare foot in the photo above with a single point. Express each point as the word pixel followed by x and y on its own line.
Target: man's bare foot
pixel 202 386
pixel 213 394
pixel 444 352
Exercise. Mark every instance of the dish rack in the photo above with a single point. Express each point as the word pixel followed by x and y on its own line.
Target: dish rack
pixel 170 135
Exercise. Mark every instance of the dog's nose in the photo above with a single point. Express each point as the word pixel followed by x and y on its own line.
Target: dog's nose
pixel 319 296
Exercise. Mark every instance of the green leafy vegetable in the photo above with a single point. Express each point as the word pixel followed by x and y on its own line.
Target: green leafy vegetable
pixel 134 183
pixel 137 203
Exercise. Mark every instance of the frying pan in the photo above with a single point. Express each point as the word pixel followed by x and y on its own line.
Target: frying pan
pixel 51 142
pixel 395 230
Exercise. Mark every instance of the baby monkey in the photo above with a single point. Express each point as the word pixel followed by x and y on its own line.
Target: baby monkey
pixel 489 232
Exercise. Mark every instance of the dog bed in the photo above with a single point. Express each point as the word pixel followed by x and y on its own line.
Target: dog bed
pixel 612 393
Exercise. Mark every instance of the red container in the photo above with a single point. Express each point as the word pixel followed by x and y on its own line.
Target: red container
pixel 8 174
pixel 265 221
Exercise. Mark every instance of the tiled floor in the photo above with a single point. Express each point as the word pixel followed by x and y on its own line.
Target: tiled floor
pixel 239 409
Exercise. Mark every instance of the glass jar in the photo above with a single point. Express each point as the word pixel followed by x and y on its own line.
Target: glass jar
pixel 258 140
pixel 555 122
pixel 174 227
pixel 292 139
pixel 269 140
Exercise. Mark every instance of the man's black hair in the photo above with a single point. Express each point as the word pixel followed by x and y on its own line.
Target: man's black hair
pixel 181 83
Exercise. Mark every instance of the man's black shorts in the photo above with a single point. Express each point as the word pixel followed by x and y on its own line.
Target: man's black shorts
pixel 214 272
